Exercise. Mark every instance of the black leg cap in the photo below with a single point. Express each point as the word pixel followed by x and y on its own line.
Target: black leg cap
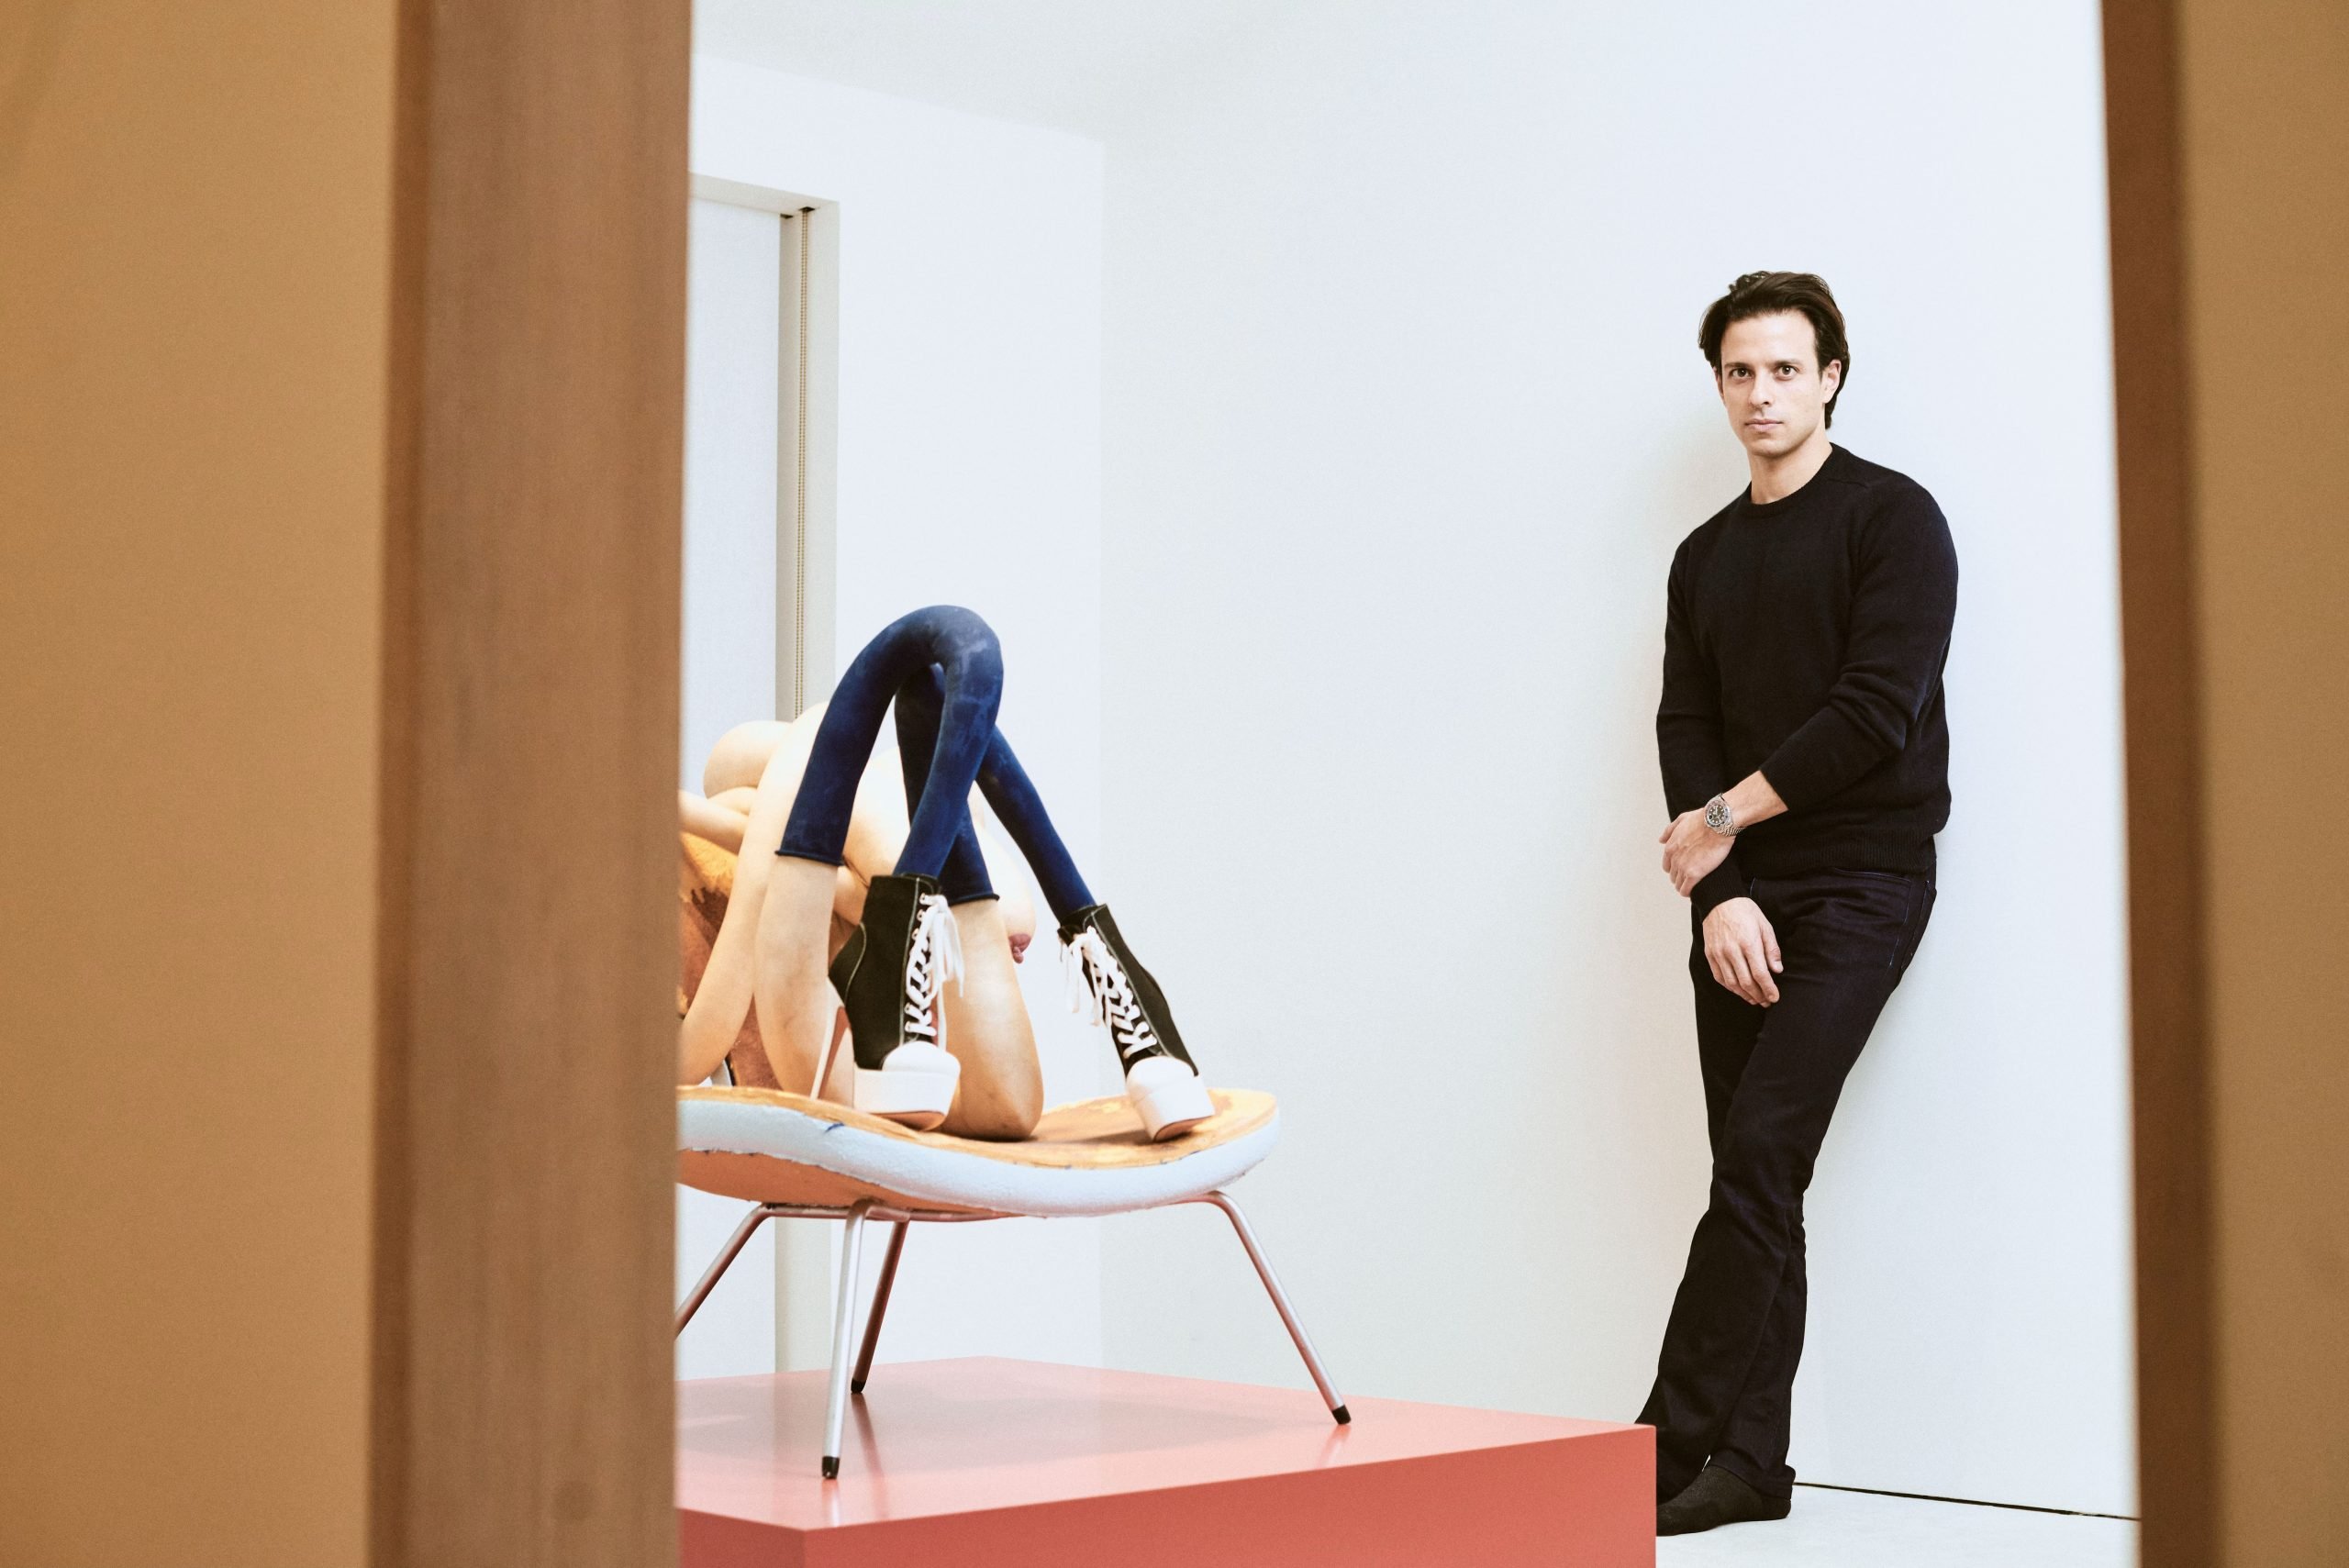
pixel 856 1385
pixel 1343 1419
pixel 832 1467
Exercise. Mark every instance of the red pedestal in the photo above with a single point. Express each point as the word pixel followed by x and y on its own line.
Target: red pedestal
pixel 993 1463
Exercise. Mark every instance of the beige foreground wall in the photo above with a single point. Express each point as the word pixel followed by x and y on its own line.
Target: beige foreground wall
pixel 340 387
pixel 2265 146
pixel 195 252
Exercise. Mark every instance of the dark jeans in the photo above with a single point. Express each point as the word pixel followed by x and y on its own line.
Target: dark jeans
pixel 1725 1379
pixel 944 669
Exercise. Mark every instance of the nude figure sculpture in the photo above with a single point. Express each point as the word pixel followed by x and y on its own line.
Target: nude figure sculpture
pixel 915 961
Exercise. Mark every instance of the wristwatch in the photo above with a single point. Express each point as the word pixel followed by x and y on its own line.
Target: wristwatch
pixel 1718 816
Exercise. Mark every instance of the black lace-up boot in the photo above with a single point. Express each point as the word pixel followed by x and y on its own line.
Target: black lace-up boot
pixel 889 976
pixel 1108 983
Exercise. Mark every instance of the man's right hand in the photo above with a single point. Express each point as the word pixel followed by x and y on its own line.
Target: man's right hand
pixel 1744 951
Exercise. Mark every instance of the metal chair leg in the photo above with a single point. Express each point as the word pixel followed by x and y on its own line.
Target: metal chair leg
pixel 880 1304
pixel 740 1239
pixel 1329 1394
pixel 835 1405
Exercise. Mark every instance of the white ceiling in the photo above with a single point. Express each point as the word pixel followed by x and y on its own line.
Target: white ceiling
pixel 1082 65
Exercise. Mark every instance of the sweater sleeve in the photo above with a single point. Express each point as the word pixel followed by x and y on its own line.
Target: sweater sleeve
pixel 1688 732
pixel 1904 598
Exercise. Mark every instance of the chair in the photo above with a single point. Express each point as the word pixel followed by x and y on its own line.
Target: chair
pixel 797 1158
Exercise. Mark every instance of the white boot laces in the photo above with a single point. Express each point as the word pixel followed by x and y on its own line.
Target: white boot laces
pixel 933 957
pixel 1100 992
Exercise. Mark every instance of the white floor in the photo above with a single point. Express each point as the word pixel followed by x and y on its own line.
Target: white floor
pixel 1862 1530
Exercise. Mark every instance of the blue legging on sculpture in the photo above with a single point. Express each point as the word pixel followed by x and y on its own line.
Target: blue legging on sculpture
pixel 944 669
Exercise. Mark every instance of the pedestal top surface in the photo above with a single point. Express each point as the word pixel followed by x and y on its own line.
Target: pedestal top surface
pixel 947 1437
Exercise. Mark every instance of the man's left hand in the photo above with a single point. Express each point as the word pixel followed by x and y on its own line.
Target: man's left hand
pixel 1691 849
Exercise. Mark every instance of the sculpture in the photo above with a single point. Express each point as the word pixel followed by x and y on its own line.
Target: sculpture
pixel 918 969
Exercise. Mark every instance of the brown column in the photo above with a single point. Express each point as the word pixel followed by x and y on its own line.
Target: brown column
pixel 525 1132
pixel 2231 269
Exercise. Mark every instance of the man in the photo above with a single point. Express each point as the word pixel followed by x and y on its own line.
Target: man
pixel 1804 756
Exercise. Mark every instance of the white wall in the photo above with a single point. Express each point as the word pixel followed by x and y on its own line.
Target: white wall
pixel 1405 416
pixel 968 471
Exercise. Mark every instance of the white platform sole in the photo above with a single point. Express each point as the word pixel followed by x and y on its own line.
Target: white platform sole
pixel 917 1099
pixel 1170 1108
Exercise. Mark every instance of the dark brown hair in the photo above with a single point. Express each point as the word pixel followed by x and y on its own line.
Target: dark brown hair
pixel 1767 294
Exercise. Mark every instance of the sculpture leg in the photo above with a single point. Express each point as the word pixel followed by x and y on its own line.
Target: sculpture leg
pixel 734 1245
pixel 836 1406
pixel 970 683
pixel 920 710
pixel 1162 1081
pixel 880 1306
pixel 1329 1394
pixel 1021 811
pixel 1002 1093
pixel 904 951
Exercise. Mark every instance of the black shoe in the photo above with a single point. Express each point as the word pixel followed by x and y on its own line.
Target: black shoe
pixel 1108 983
pixel 1716 1497
pixel 889 975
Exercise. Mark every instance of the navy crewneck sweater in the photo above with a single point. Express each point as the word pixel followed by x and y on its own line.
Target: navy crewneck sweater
pixel 1805 636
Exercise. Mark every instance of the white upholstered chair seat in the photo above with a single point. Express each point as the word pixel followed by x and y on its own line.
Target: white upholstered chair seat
pixel 1085 1157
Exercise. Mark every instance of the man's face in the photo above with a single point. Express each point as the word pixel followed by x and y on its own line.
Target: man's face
pixel 1771 384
